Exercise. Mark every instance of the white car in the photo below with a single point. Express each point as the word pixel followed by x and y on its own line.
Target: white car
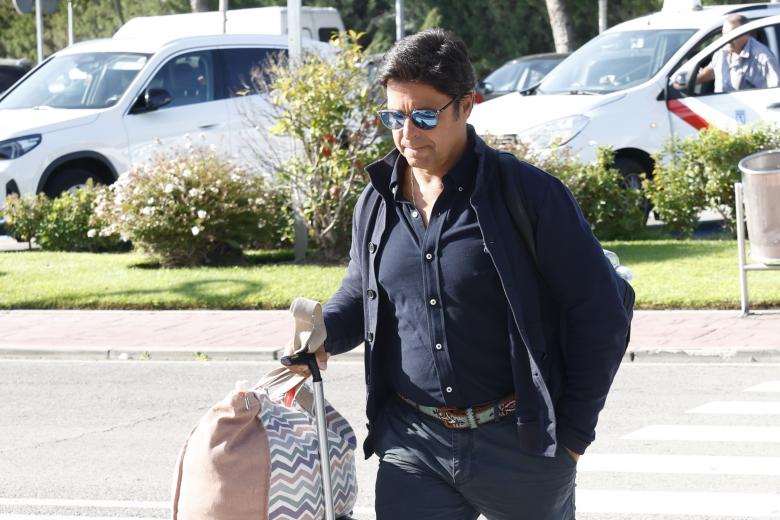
pixel 95 108
pixel 630 88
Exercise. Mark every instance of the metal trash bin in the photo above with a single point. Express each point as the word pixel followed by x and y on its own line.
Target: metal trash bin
pixel 761 193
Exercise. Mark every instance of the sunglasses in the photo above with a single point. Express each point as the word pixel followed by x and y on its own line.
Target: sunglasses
pixel 424 119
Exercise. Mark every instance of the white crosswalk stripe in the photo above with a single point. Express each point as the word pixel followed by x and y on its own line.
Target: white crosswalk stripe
pixel 705 433
pixel 752 430
pixel 769 386
pixel 672 504
pixel 679 464
pixel 739 408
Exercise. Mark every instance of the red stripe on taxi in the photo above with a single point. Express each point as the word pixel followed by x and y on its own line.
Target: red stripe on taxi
pixel 685 113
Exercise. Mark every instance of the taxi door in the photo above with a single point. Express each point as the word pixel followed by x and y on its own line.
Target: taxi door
pixel 695 105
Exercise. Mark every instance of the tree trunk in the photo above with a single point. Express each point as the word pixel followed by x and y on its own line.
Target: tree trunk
pixel 118 11
pixel 563 35
pixel 199 6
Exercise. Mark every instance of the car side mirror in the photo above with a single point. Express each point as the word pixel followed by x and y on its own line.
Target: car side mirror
pixel 680 81
pixel 487 87
pixel 150 100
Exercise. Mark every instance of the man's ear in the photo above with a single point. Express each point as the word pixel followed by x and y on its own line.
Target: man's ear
pixel 466 104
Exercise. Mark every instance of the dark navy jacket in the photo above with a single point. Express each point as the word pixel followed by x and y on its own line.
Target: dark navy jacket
pixel 570 321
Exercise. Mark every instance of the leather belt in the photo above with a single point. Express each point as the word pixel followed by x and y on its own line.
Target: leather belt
pixel 466 418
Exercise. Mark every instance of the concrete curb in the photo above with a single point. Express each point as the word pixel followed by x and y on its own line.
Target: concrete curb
pixel 157 354
pixel 671 355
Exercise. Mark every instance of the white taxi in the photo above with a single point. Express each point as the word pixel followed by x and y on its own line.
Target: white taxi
pixel 631 88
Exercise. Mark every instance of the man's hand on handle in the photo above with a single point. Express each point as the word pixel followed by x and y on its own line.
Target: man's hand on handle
pixel 321 355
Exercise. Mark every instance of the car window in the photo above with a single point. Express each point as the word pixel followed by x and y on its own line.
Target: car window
pixel 77 81
pixel 244 70
pixel 535 73
pixel 9 76
pixel 505 77
pixel 188 78
pixel 756 67
pixel 615 60
pixel 325 33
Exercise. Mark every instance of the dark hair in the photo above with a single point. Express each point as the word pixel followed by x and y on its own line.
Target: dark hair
pixel 434 57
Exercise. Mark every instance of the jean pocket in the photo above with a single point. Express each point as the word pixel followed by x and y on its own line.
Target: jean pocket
pixel 564 455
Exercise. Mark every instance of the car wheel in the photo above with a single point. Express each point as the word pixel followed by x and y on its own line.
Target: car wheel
pixel 632 172
pixel 68 179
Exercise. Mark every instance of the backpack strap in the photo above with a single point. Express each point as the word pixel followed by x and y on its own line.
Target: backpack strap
pixel 513 198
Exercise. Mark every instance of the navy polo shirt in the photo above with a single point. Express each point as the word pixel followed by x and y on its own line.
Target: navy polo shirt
pixel 443 328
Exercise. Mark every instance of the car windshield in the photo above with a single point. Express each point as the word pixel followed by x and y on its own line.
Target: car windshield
pixel 518 75
pixel 614 61
pixel 94 80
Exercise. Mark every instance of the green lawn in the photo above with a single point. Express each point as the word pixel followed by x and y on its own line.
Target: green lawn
pixel 42 280
pixel 691 274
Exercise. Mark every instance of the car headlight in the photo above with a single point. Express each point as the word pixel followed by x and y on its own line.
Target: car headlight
pixel 18 146
pixel 553 133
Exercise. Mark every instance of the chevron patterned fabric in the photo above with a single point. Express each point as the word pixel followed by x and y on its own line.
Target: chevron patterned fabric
pixel 296 483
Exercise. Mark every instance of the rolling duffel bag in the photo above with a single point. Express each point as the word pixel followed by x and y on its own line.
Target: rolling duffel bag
pixel 257 453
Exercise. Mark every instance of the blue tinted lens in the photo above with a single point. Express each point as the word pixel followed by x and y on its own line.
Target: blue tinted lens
pixel 392 119
pixel 425 119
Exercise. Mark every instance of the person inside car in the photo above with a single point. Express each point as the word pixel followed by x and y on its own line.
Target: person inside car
pixel 744 63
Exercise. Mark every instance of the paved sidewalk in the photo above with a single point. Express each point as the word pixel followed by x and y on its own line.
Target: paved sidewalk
pixel 8 244
pixel 260 334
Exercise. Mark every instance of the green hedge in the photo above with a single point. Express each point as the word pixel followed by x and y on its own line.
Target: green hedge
pixel 66 223
pixel 699 172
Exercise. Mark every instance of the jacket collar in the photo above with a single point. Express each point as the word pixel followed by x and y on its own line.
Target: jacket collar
pixel 380 172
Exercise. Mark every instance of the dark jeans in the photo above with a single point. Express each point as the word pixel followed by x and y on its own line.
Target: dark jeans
pixel 428 472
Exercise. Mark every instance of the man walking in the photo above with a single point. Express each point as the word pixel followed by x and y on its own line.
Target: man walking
pixel 485 368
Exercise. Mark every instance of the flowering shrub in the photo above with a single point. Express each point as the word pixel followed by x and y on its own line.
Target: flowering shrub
pixel 63 224
pixel 69 223
pixel 23 216
pixel 191 209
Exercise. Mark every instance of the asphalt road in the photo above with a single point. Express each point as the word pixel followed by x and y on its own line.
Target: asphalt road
pixel 99 439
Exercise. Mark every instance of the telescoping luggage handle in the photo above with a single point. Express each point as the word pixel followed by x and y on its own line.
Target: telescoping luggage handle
pixel 309 336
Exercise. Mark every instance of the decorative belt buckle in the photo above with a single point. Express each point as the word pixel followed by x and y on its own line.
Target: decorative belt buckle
pixel 506 408
pixel 447 418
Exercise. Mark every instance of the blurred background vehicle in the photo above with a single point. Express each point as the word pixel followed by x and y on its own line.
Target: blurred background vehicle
pixel 11 70
pixel 517 75
pixel 630 89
